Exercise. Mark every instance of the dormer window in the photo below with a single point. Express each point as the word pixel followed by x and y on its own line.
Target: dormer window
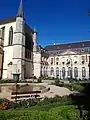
pixel 82 50
pixel 83 44
pixel 69 46
pixel 57 47
pixel 57 58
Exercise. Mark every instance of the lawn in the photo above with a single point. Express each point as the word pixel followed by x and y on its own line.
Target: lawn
pixel 68 112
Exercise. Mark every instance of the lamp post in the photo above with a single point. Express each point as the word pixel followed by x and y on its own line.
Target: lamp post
pixel 16 77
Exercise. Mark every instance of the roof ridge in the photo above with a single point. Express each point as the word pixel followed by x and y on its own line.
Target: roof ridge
pixel 68 43
pixel 7 20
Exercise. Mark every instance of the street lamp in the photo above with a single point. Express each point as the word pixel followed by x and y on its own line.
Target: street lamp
pixel 16 75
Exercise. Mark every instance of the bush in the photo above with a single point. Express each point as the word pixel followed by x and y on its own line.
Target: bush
pixel 56 101
pixel 7 81
pixel 57 81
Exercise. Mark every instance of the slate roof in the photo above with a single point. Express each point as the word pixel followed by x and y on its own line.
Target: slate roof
pixel 12 19
pixel 7 20
pixel 73 45
pixel 20 10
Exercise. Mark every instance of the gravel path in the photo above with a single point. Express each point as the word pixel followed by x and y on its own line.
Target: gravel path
pixel 55 90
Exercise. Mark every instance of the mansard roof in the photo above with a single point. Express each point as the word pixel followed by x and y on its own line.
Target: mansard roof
pixel 68 46
pixel 7 20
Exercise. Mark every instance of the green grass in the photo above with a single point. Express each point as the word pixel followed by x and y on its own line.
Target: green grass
pixel 72 86
pixel 41 113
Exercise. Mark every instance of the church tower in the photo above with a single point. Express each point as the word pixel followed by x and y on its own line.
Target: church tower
pixel 19 44
pixel 36 56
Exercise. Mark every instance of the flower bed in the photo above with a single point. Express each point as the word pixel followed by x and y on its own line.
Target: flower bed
pixel 4 104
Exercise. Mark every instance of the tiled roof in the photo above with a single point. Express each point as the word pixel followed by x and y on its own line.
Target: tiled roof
pixel 68 46
pixel 7 20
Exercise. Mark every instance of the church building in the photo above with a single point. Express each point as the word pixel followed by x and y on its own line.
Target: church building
pixel 16 46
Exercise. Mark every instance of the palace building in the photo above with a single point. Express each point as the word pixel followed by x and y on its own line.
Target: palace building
pixel 21 54
pixel 69 60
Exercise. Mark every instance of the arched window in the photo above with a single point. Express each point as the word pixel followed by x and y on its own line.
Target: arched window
pixel 69 72
pixel 52 71
pixel 63 72
pixel 83 72
pixel 76 72
pixel 57 71
pixel 10 42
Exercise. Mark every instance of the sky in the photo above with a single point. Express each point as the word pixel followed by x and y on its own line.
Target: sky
pixel 57 21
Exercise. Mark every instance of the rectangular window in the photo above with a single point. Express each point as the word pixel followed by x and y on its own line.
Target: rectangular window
pixel 83 58
pixel 51 61
pixel 83 72
pixel 63 72
pixel 69 72
pixel 76 72
pixel 28 54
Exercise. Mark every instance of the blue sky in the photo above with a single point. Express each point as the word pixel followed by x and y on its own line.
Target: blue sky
pixel 56 21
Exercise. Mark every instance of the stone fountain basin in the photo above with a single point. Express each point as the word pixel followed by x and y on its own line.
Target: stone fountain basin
pixel 29 88
pixel 7 90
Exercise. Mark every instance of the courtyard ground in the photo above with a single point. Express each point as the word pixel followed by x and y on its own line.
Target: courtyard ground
pixel 54 90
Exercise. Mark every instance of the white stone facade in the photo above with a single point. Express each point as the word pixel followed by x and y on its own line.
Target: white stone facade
pixel 16 55
pixel 60 65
